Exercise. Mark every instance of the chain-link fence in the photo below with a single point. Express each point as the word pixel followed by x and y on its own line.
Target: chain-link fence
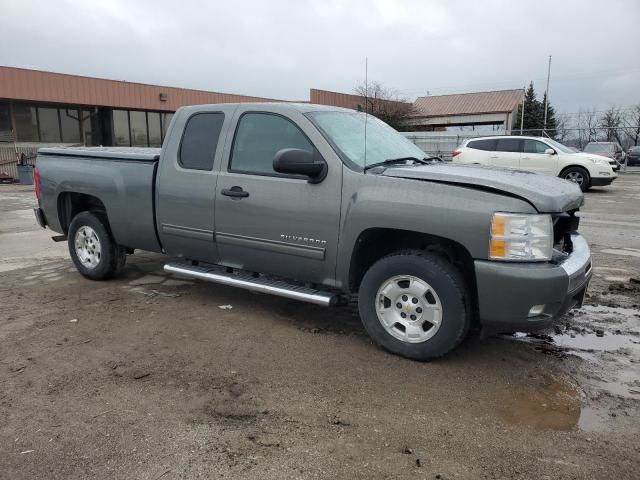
pixel 442 144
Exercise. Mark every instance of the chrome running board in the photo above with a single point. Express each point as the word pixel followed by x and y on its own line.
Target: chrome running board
pixel 248 281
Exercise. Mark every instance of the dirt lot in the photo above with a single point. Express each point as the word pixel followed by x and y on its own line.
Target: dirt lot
pixel 152 377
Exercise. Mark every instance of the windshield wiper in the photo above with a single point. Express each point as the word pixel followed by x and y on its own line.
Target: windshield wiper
pixel 393 161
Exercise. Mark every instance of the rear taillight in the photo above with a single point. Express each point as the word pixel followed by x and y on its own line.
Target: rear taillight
pixel 456 153
pixel 36 183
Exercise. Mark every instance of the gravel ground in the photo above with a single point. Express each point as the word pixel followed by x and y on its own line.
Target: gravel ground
pixel 149 377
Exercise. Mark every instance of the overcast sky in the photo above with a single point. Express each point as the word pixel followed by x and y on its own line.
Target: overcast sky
pixel 280 49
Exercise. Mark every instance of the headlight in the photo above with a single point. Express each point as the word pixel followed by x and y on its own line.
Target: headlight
pixel 599 161
pixel 521 237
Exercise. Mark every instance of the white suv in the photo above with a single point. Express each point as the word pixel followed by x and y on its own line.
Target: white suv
pixel 540 155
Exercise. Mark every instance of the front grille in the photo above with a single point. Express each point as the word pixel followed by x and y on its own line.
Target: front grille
pixel 564 225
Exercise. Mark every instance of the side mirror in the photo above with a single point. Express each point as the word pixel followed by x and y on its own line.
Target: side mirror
pixel 550 151
pixel 295 161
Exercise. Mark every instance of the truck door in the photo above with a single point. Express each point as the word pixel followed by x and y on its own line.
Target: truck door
pixel 186 183
pixel 507 153
pixel 273 223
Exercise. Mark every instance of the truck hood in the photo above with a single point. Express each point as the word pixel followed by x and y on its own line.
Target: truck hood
pixel 547 194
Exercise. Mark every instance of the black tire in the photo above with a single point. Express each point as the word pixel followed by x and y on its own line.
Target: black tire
pixel 570 173
pixel 445 280
pixel 111 256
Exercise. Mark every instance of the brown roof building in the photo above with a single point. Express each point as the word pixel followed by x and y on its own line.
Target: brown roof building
pixel 467 109
pixel 46 107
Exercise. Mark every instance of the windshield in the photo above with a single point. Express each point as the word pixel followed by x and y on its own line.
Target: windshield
pixel 559 146
pixel 345 130
pixel 598 147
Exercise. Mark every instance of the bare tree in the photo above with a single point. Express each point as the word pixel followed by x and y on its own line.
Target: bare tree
pixel 631 122
pixel 611 121
pixel 385 103
pixel 562 128
pixel 588 128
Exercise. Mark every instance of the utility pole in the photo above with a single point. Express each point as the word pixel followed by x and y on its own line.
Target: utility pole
pixel 524 89
pixel 546 97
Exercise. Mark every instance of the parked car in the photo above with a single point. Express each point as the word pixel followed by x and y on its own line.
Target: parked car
pixel 537 154
pixel 612 150
pixel 633 156
pixel 285 199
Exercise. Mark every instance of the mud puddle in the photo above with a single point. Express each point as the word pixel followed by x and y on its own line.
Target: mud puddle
pixel 546 403
pixel 606 389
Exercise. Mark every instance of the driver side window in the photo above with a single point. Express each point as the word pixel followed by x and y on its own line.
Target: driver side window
pixel 258 137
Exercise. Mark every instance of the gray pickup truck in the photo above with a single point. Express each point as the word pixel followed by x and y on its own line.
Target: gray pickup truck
pixel 328 206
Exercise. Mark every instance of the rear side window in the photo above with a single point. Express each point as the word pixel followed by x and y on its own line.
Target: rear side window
pixel 200 140
pixel 488 144
pixel 534 146
pixel 258 137
pixel 509 145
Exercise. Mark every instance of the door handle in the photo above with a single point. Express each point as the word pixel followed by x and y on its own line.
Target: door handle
pixel 235 192
pixel 525 158
pixel 493 156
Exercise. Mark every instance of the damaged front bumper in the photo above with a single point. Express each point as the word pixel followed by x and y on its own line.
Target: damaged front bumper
pixel 528 296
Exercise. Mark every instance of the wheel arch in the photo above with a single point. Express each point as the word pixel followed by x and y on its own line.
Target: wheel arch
pixel 71 203
pixel 375 243
pixel 573 165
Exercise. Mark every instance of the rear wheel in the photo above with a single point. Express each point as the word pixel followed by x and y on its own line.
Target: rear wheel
pixel 414 304
pixel 93 251
pixel 578 176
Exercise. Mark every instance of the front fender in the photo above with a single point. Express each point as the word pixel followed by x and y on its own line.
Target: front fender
pixel 460 214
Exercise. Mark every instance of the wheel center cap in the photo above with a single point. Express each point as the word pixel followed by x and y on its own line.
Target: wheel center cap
pixel 408 309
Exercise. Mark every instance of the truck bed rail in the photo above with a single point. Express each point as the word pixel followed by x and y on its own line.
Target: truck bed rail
pixel 140 154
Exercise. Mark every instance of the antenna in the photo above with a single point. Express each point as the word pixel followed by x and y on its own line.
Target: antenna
pixel 366 105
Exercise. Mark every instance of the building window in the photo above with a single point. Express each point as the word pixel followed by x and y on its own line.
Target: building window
pixel 91 127
pixel 49 124
pixel 121 128
pixel 5 118
pixel 70 125
pixel 26 119
pixel 155 129
pixel 138 122
pixel 166 120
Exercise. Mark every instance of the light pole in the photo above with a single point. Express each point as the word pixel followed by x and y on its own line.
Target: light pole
pixel 546 97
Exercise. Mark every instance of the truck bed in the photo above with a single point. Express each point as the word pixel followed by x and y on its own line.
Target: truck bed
pixel 122 179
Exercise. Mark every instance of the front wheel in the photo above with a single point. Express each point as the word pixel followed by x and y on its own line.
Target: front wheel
pixel 577 175
pixel 414 304
pixel 93 251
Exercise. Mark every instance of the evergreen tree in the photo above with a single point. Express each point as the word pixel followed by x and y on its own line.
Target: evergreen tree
pixel 534 115
pixel 532 112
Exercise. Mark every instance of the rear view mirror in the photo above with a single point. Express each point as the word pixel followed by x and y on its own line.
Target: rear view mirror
pixel 550 151
pixel 295 161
